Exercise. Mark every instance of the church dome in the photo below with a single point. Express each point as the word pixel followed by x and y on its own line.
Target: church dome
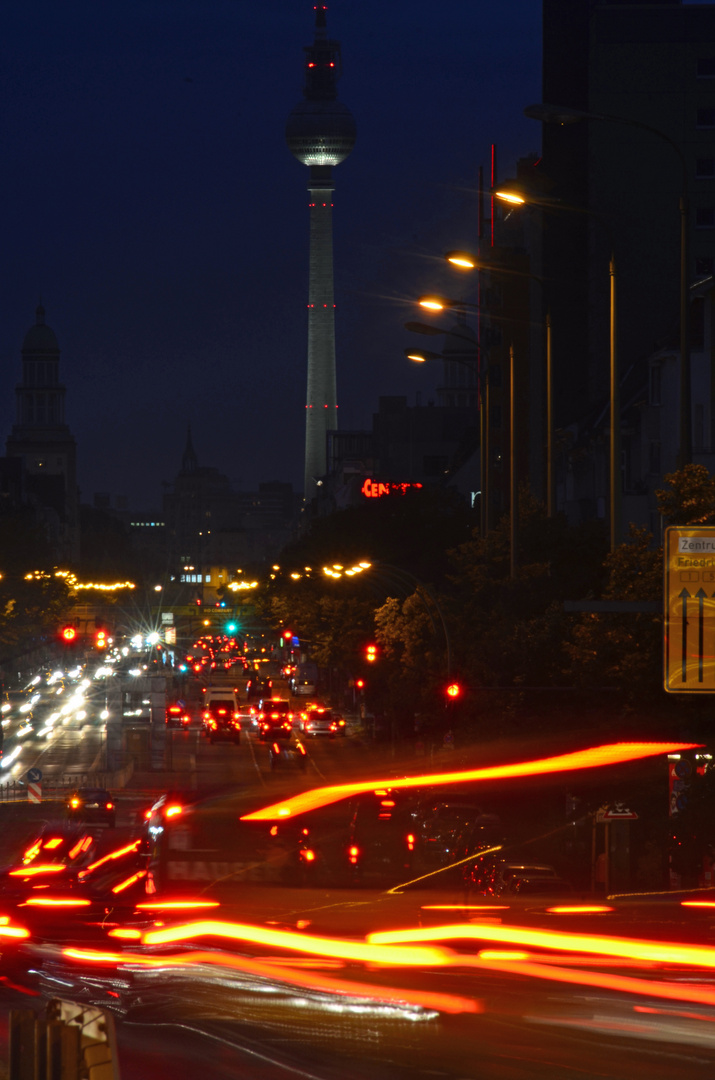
pixel 40 338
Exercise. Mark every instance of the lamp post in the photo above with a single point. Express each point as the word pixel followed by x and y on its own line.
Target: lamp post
pixel 421 356
pixel 439 303
pixel 518 197
pixel 562 114
pixel 464 260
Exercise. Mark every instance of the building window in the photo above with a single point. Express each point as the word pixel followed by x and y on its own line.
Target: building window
pixel 706 67
pixel 705 118
pixel 705 168
pixel 705 217
pixel 704 266
pixel 654 384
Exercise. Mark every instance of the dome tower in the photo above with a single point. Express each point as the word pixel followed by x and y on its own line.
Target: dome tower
pixel 320 133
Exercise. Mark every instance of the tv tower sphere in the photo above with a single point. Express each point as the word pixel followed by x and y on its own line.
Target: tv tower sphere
pixel 320 132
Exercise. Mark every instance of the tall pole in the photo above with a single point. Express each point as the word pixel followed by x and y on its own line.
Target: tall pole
pixel 615 441
pixel 685 450
pixel 550 501
pixel 513 506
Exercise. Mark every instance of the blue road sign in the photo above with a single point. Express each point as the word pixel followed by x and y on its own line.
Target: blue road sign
pixel 34 776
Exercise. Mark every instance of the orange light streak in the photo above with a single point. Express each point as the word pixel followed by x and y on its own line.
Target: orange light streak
pixel 632 948
pixel 579 909
pixel 595 757
pixel 176 905
pixel 14 932
pixel 50 868
pixel 55 842
pixel 698 903
pixel 129 881
pixel 307 943
pixel 48 901
pixel 112 855
pixel 125 932
pixel 172 811
pixel 464 907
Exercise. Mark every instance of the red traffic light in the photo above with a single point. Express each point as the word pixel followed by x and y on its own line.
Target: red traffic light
pixel 371 653
pixel 287 634
pixel 360 683
pixel 454 690
pixel 68 633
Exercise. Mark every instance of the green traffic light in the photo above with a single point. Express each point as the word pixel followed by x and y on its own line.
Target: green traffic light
pixel 231 627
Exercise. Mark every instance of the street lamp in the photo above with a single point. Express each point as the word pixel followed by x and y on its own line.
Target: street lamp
pixel 519 197
pixel 465 260
pixel 421 356
pixel 562 114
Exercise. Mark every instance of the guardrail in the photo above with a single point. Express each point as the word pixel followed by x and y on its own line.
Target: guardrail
pixel 56 787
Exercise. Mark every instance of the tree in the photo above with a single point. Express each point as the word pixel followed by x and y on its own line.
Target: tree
pixel 690 500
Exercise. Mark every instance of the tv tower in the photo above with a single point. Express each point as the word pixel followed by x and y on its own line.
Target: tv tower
pixel 320 132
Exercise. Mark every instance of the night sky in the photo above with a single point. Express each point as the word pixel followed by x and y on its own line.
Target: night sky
pixel 151 201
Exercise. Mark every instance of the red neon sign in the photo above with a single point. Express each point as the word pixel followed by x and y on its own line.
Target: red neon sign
pixel 374 489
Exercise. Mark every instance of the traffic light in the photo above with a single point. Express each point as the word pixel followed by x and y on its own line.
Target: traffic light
pixel 360 684
pixel 100 639
pixel 231 627
pixel 371 653
pixel 454 690
pixel 68 634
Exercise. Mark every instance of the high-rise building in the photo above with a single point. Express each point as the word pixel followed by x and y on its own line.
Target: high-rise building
pixel 631 67
pixel 320 132
pixel 44 443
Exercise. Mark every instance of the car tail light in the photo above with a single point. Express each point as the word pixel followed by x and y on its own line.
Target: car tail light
pixel 147 815
pixel 74 803
pixel 207 714
pixel 333 727
pixel 110 806
pixel 173 810
pixel 353 854
pixel 53 843
pixel 174 710
pixel 286 725
pixel 222 712
pixel 275 716
pixel 307 855
pixel 276 748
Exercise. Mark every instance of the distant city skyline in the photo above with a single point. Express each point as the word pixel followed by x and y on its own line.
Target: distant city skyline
pixel 153 205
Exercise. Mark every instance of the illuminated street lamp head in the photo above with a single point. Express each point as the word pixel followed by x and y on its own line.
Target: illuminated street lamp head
pixel 462 259
pixel 510 195
pixel 422 356
pixel 434 303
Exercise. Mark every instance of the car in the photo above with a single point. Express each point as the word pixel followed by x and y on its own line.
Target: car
pixel 284 750
pixel 322 721
pixel 178 715
pixel 274 714
pixel 491 876
pixel 92 806
pixel 248 715
pixel 221 721
pixel 539 885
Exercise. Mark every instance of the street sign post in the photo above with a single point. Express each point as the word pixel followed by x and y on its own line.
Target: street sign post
pixel 34 775
pixel 689 617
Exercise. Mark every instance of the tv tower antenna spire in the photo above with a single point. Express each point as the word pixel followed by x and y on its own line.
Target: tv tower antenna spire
pixel 320 132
